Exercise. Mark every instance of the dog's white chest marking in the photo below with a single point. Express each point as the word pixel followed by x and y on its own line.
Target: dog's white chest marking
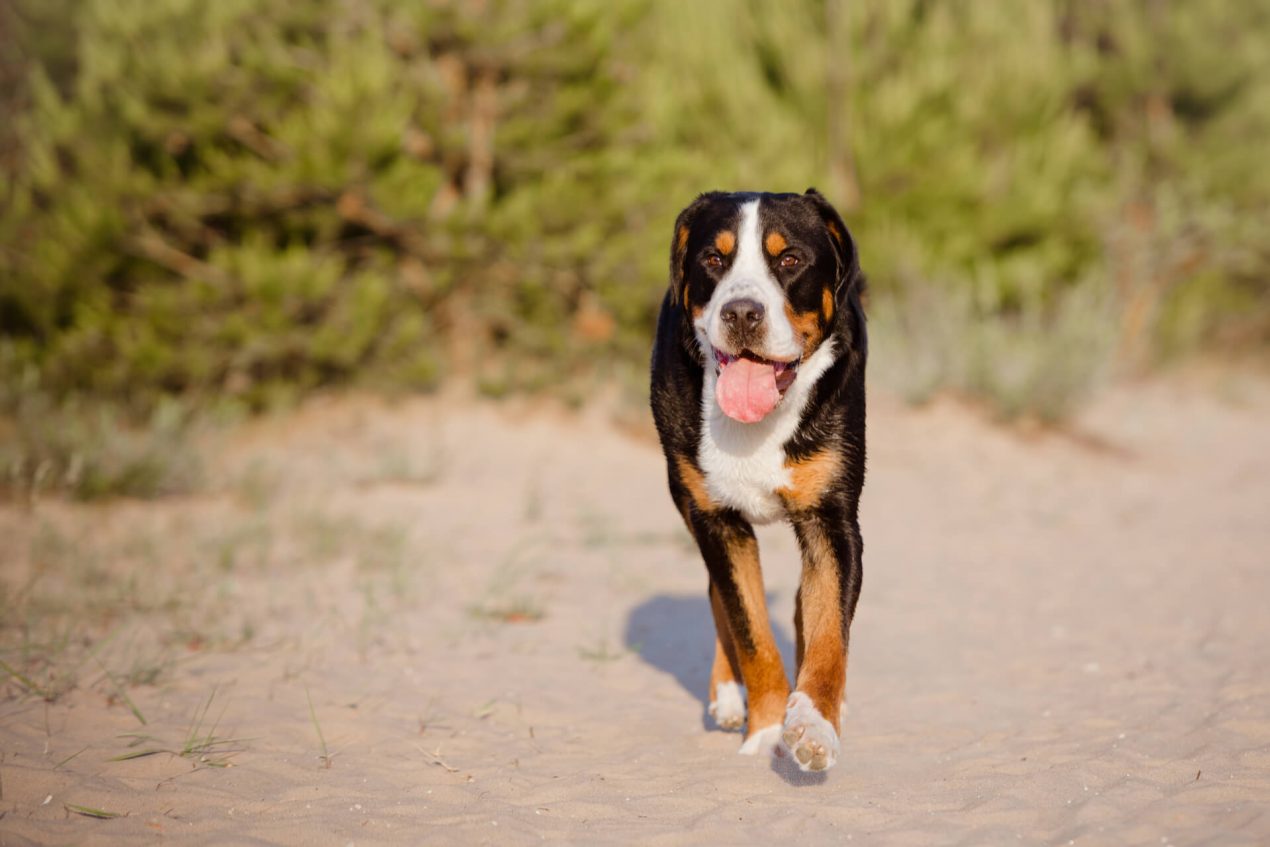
pixel 744 464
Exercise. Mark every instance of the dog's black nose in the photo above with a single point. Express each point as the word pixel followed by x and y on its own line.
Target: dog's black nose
pixel 743 314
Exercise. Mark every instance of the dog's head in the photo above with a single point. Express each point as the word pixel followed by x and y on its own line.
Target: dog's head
pixel 763 279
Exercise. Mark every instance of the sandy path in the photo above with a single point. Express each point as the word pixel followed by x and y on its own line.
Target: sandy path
pixel 1059 641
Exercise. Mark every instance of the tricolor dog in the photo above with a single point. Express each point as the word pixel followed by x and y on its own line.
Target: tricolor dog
pixel 758 396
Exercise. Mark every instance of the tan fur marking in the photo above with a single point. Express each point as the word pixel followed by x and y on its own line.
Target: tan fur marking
pixel 766 686
pixel 808 327
pixel 822 673
pixel 696 485
pixel 725 242
pixel 834 231
pixel 774 243
pixel 681 244
pixel 726 668
pixel 826 304
pixel 809 479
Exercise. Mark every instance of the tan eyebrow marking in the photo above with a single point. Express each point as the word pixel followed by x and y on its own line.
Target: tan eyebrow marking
pixel 775 243
pixel 725 242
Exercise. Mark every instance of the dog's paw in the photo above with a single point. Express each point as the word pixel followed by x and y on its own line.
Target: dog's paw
pixel 728 706
pixel 810 738
pixel 761 741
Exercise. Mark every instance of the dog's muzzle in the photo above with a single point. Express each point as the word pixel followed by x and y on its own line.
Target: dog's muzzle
pixel 743 323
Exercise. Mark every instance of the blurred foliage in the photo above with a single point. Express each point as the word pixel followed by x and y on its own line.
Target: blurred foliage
pixel 253 199
pixel 92 450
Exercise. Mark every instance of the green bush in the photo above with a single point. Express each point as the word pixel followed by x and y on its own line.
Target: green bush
pixel 250 199
pixel 254 199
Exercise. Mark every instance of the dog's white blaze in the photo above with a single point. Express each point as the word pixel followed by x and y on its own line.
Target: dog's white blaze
pixel 728 706
pixel 761 741
pixel 749 277
pixel 744 464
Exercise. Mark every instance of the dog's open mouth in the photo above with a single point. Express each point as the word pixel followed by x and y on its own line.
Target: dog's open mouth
pixel 750 386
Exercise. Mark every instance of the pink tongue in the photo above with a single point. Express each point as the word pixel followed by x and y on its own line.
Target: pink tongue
pixel 746 390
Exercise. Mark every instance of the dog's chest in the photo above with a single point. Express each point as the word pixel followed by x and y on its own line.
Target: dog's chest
pixel 744 464
pixel 743 475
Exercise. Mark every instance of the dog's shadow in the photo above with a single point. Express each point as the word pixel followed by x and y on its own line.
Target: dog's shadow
pixel 675 634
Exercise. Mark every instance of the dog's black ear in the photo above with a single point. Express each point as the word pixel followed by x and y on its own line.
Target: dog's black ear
pixel 839 237
pixel 850 283
pixel 679 243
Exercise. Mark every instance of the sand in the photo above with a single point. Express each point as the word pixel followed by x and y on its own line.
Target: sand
pixel 1063 638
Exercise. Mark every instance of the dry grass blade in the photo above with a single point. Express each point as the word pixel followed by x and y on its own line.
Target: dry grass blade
pixel 326 755
pixel 26 681
pixel 68 758
pixel 138 739
pixel 90 812
pixel 435 755
pixel 139 754
pixel 122 694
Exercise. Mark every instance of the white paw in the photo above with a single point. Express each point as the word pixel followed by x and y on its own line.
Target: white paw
pixel 728 706
pixel 761 741
pixel 808 736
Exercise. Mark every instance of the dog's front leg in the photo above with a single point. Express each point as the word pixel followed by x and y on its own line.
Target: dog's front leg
pixel 730 551
pixel 827 594
pixel 726 706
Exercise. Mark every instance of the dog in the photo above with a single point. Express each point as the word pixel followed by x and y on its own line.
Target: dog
pixel 757 392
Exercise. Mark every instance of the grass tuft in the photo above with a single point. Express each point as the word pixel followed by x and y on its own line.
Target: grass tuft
pixel 28 683
pixel 119 692
pixel 518 609
pixel 600 652
pixel 1041 361
pixel 92 451
pixel 201 744
pixel 326 754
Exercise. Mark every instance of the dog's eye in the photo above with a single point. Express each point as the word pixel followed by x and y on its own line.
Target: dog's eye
pixel 714 261
pixel 789 261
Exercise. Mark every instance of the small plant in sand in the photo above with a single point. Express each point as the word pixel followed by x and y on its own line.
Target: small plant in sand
pixel 600 652
pixel 54 687
pixel 326 756
pixel 517 609
pixel 503 600
pixel 397 464
pixel 201 745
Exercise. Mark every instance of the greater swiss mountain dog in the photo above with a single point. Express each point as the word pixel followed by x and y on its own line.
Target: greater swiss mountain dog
pixel 758 396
